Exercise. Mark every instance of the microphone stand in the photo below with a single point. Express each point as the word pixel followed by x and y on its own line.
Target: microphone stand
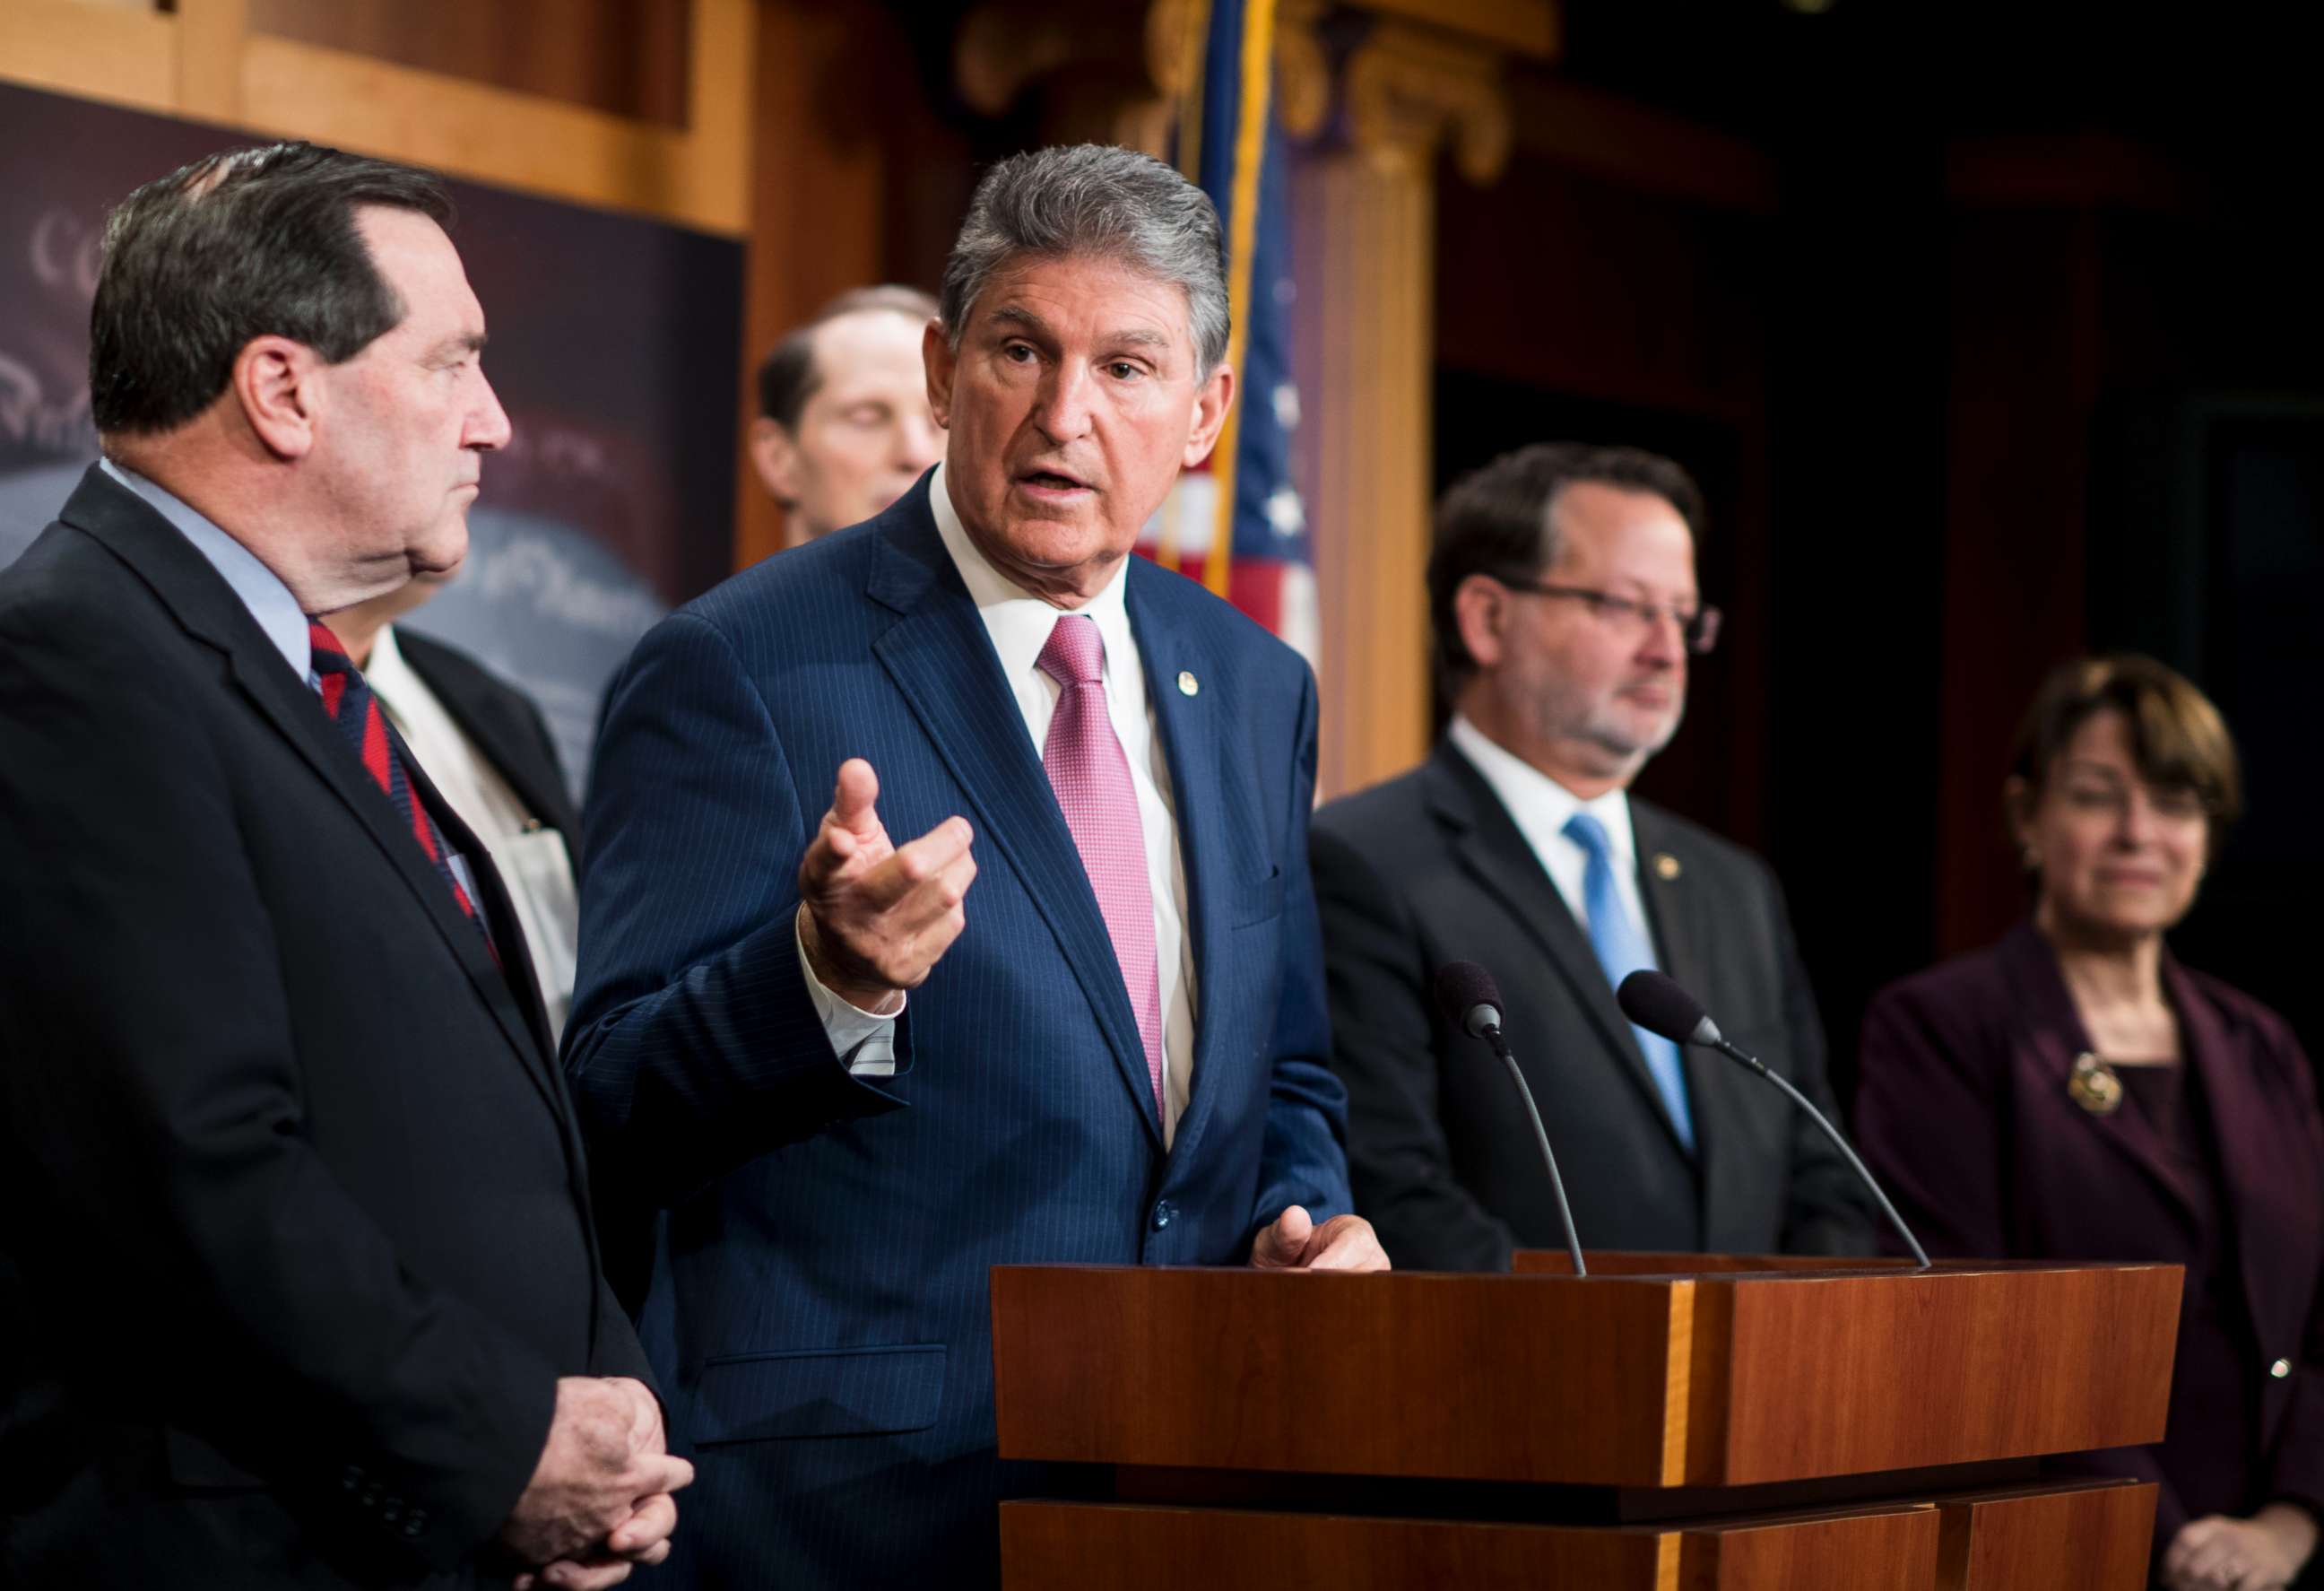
pixel 1491 1033
pixel 1815 1115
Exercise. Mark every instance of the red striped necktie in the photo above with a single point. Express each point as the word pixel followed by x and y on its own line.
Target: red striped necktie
pixel 348 698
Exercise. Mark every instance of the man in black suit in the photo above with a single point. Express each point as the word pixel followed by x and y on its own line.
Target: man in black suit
pixel 1562 590
pixel 299 1264
pixel 485 746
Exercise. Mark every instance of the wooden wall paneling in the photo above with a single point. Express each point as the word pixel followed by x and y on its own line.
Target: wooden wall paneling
pixel 118 55
pixel 627 58
pixel 207 63
pixel 210 34
pixel 817 219
pixel 697 177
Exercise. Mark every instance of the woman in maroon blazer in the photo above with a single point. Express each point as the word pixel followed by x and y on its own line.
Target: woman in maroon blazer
pixel 2074 1092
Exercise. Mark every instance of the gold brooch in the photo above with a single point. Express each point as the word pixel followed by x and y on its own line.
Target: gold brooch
pixel 1666 866
pixel 2094 1085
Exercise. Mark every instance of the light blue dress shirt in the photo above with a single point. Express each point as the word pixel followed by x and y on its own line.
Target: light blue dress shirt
pixel 263 592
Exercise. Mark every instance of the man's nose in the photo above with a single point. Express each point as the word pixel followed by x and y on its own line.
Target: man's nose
pixel 488 423
pixel 1665 638
pixel 1062 410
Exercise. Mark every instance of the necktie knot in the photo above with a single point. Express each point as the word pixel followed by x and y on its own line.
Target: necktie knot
pixel 330 654
pixel 1586 831
pixel 1074 653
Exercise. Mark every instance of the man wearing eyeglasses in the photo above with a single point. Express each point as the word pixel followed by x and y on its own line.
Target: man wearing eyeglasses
pixel 1563 594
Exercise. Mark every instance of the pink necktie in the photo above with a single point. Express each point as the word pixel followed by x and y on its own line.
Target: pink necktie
pixel 1092 778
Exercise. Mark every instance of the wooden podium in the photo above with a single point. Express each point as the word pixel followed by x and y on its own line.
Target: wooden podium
pixel 1669 1422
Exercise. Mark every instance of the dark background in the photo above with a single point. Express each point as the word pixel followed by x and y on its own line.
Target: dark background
pixel 1991 331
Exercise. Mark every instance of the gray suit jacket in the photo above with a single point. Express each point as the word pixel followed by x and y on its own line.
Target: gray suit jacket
pixel 1429 868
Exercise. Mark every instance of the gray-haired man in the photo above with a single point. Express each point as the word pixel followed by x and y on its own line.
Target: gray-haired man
pixel 1113 1049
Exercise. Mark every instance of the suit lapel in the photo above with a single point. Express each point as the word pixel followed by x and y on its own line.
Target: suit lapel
pixel 501 735
pixel 509 985
pixel 1495 853
pixel 1669 888
pixel 208 610
pixel 941 658
pixel 1219 835
pixel 2220 1065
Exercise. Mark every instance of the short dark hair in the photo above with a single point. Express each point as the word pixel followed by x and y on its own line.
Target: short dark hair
pixel 2178 740
pixel 788 375
pixel 1496 520
pixel 241 244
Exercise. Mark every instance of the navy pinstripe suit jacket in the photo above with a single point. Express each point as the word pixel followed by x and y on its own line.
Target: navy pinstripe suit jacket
pixel 819 1310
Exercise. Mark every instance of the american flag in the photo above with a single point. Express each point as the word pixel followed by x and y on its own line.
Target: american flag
pixel 1230 142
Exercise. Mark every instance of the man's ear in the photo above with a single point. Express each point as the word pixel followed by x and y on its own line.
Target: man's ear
pixel 1481 612
pixel 278 382
pixel 936 354
pixel 776 458
pixel 1211 406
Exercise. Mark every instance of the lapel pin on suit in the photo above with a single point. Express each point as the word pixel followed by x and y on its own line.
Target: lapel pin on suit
pixel 2094 1087
pixel 1666 866
pixel 1187 684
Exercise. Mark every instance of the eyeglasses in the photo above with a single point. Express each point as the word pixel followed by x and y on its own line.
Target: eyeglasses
pixel 1699 629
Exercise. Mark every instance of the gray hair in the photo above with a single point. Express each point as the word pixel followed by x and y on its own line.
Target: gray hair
pixel 1093 198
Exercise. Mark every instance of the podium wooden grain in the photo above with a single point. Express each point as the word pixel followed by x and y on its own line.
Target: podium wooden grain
pixel 1669 1421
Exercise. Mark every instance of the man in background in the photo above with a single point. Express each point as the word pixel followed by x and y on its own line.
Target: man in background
pixel 485 745
pixel 844 427
pixel 1562 590
pixel 299 1264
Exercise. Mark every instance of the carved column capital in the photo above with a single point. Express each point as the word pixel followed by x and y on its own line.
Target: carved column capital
pixel 1410 89
pixel 1109 73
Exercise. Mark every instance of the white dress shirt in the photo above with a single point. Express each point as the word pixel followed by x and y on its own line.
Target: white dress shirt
pixel 534 864
pixel 1540 808
pixel 1018 624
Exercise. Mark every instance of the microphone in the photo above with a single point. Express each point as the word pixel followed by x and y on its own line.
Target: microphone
pixel 1471 1001
pixel 1658 1005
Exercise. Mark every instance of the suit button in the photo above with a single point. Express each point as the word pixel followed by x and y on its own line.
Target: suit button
pixel 371 1497
pixel 1164 1214
pixel 415 1521
pixel 353 1478
pixel 2280 1369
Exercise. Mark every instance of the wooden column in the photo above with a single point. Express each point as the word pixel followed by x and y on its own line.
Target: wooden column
pixel 1364 238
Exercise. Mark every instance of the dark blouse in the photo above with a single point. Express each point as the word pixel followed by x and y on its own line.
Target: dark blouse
pixel 2213 1425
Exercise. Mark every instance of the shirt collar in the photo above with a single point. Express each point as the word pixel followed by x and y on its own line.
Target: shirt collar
pixel 262 591
pixel 385 669
pixel 1018 621
pixel 1540 805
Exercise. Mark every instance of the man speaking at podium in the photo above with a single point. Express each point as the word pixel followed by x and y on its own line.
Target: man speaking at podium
pixel 948 907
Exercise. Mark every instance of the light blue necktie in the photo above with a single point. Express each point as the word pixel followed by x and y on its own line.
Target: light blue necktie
pixel 1622 948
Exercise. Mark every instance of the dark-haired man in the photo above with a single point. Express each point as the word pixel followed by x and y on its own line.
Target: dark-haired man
pixel 844 427
pixel 299 1256
pixel 1563 589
